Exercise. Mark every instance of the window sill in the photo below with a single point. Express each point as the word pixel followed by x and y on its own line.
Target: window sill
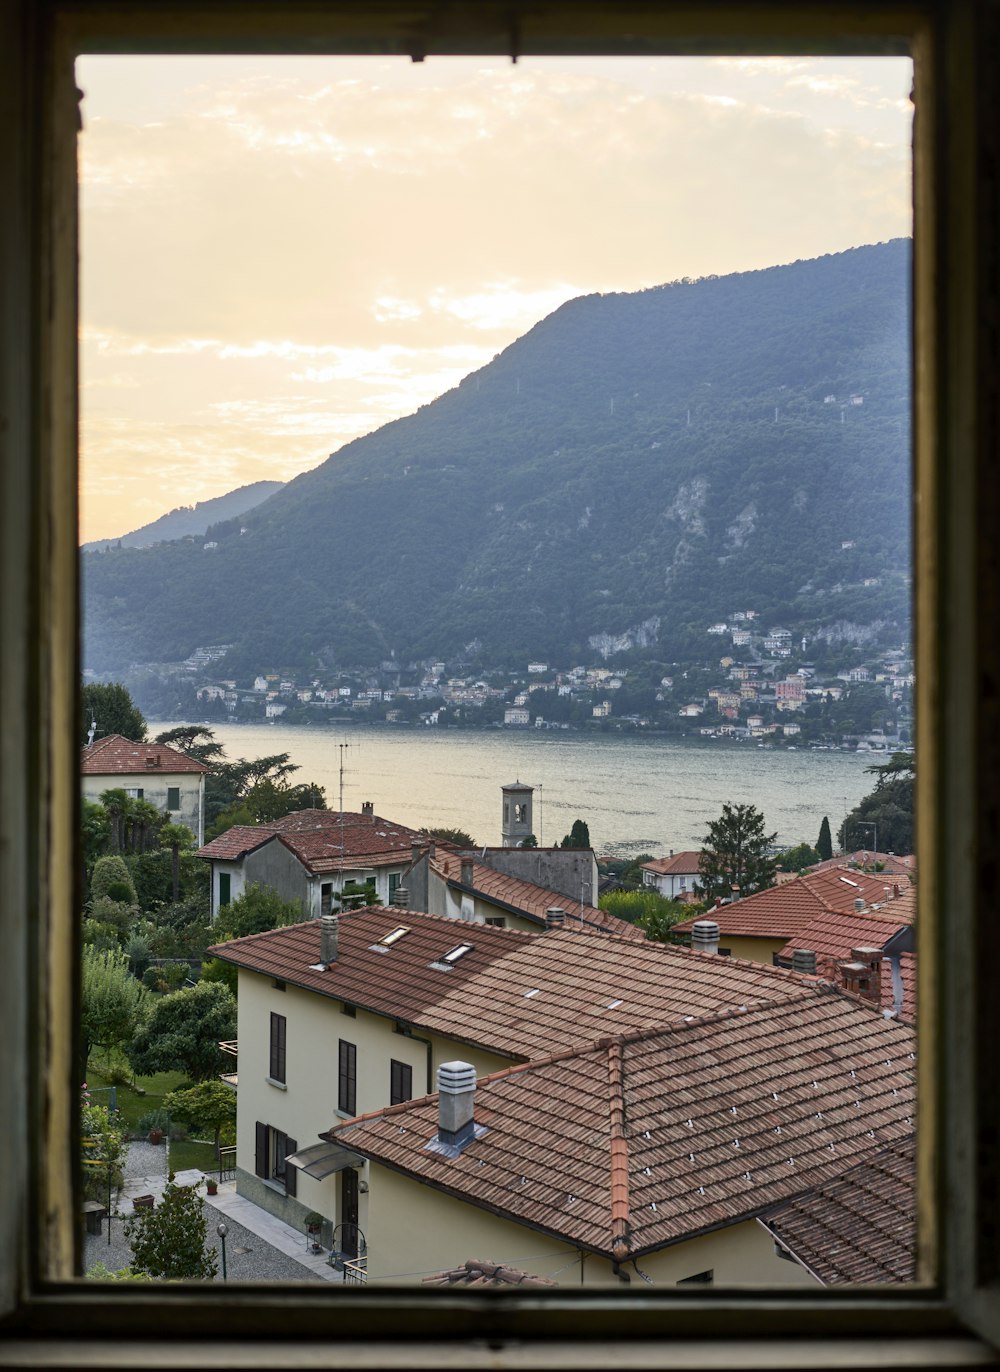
pixel 278 1085
pixel 345 1114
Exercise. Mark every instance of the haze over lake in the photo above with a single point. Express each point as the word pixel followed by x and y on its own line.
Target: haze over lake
pixel 636 794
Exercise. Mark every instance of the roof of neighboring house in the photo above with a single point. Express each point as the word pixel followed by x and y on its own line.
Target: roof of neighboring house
pixel 525 898
pixel 517 994
pixel 859 1227
pixel 632 1143
pixel 787 910
pixel 892 864
pixel 908 977
pixel 679 864
pixel 475 1272
pixel 117 756
pixel 833 934
pixel 397 980
pixel 323 840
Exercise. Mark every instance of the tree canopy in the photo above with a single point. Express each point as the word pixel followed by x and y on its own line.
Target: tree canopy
pixel 113 1004
pixel 184 1031
pixel 883 819
pixel 258 909
pixel 169 1241
pixel 578 836
pixel 736 854
pixel 456 836
pixel 824 844
pixel 112 711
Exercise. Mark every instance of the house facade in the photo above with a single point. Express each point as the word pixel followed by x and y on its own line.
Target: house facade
pixel 677 876
pixel 162 776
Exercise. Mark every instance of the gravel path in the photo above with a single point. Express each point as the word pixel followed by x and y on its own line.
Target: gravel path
pixel 248 1258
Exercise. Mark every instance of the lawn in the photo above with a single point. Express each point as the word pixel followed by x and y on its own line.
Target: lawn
pixel 185 1153
pixel 138 1100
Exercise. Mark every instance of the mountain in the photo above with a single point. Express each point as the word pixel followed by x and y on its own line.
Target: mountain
pixel 192 520
pixel 632 469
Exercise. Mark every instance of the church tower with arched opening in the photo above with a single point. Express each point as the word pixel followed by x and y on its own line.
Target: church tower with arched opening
pixel 516 825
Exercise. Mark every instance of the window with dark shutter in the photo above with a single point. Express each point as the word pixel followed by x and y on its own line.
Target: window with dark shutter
pixel 260 1159
pixel 291 1172
pixel 347 1078
pixel 276 1070
pixel 173 797
pixel 400 1082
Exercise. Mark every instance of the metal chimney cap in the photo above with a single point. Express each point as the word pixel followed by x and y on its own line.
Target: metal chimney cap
pixel 455 1078
pixel 705 928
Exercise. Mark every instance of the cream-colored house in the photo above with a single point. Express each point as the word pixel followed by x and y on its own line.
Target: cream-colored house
pixel 333 1029
pixel 154 772
pixel 643 1158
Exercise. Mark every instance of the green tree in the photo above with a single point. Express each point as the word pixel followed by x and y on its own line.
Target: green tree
pixel 113 1005
pixel 647 909
pixel 797 859
pixel 355 896
pixel 578 836
pixel 258 909
pixel 175 837
pixel 112 878
pixel 183 1033
pixel 209 1105
pixel 194 740
pixel 884 816
pixel 112 710
pixel 170 1240
pixel 457 836
pixel 529 842
pixel 824 844
pixel 736 853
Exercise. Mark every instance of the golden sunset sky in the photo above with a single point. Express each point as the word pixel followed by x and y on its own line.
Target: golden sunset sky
pixel 281 254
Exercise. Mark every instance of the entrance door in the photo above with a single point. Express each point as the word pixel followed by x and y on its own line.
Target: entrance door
pixel 349 1210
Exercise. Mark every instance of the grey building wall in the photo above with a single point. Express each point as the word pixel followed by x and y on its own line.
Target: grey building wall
pixel 570 871
pixel 275 866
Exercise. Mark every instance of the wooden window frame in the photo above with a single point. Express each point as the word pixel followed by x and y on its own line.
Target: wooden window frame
pixel 49 1317
pixel 400 1081
pixel 347 1077
pixel 276 1047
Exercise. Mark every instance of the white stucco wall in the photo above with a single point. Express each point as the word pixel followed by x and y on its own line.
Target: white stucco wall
pixel 154 787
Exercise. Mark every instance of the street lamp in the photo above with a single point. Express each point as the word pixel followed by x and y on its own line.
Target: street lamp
pixel 222 1229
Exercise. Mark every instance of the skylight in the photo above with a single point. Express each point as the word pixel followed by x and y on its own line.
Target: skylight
pixel 394 936
pixel 459 951
pixel 613 1004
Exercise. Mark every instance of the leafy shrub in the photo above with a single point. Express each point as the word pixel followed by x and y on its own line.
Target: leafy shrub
pixel 170 1241
pixel 112 872
pixel 152 1119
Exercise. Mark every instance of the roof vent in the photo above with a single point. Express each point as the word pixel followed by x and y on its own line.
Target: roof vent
pixel 465 872
pixel 859 905
pixel 456 1100
pixel 555 917
pixel 705 936
pixel 804 960
pixel 367 808
pixel 152 759
pixel 400 896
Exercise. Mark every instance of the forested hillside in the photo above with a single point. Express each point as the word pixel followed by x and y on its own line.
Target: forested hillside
pixel 192 520
pixel 634 467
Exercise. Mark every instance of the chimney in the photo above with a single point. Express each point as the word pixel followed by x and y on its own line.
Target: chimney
pixel 367 807
pixel 859 905
pixel 863 974
pixel 804 960
pixel 400 896
pixel 895 890
pixel 466 872
pixel 329 927
pixel 705 936
pixel 671 852
pixel 456 1083
pixel 718 902
pixel 416 852
pixel 555 917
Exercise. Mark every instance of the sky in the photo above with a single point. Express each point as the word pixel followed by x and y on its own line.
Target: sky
pixel 282 254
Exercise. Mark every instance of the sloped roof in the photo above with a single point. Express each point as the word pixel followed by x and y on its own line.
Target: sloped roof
pixel 861 1226
pixel 398 981
pixel 833 934
pixel 517 994
pixel 530 900
pixel 632 1143
pixel 475 1272
pixel 681 864
pixel 117 756
pixel 787 910
pixel 325 840
pixel 893 865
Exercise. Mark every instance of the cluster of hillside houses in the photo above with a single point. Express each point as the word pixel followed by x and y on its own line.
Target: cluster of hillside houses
pixel 483 1065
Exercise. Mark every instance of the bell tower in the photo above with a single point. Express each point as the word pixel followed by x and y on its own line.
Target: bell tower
pixel 516 825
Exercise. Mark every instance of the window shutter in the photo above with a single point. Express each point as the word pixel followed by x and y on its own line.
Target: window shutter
pixel 291 1172
pixel 260 1164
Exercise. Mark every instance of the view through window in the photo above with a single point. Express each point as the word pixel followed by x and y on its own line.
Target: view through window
pixel 495 491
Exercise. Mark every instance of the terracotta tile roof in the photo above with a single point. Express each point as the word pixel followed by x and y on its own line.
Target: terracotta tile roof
pixel 859 1227
pixel 681 864
pixel 532 901
pixel 237 842
pixel 892 864
pixel 475 1272
pixel 558 990
pixel 785 911
pixel 633 1143
pixel 831 936
pixel 326 841
pixel 398 981
pixel 114 755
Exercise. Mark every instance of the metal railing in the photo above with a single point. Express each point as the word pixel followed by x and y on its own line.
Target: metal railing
pixel 356 1270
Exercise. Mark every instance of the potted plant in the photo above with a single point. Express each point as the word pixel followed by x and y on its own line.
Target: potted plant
pixel 211 1186
pixel 314 1224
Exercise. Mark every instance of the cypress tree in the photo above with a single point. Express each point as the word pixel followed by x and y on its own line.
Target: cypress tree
pixel 824 844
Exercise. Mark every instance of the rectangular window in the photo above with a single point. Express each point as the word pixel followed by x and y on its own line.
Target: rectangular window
pixel 400 1082
pixel 173 797
pixel 347 1078
pixel 497 921
pixel 273 1146
pixel 225 889
pixel 394 880
pixel 325 897
pixel 134 792
pixel 277 1056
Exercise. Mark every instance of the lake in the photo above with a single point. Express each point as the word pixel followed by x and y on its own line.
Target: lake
pixel 637 794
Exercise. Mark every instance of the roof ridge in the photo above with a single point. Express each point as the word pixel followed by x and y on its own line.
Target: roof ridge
pixel 620 1217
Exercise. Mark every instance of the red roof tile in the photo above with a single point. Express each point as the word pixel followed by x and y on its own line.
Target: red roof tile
pixel 785 911
pixel 831 936
pixel 681 864
pixel 328 841
pixel 114 756
pixel 859 1227
pixel 893 865
pixel 530 900
pixel 672 1132
pixel 475 1272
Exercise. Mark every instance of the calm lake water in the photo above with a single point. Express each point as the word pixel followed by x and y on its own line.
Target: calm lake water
pixel 636 794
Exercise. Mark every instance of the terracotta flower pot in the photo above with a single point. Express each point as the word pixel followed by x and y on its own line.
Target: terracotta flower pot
pixel 156 1135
